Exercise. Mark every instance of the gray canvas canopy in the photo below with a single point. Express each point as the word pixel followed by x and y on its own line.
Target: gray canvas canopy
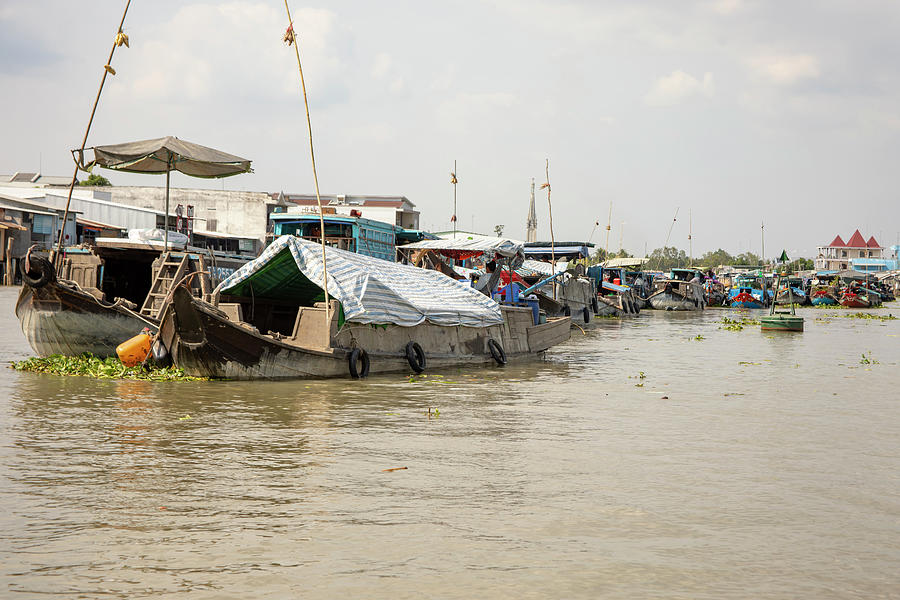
pixel 164 155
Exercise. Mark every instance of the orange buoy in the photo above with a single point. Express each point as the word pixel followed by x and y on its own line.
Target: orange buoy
pixel 134 351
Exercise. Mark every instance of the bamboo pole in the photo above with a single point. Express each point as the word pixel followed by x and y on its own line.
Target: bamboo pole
pixel 608 226
pixel 550 210
pixel 312 155
pixel 454 181
pixel 668 235
pixel 10 274
pixel 107 69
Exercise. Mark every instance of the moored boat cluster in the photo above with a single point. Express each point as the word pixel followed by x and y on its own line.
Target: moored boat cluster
pixel 306 310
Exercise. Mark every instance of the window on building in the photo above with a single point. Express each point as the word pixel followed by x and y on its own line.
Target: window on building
pixel 42 224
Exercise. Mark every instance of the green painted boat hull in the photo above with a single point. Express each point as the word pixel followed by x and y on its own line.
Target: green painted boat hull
pixel 780 322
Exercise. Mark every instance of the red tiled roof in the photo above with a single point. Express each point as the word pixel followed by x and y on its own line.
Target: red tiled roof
pixel 856 241
pixel 837 243
pixel 872 243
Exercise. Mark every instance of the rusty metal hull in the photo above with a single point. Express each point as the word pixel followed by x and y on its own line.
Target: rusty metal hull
pixel 58 318
pixel 204 342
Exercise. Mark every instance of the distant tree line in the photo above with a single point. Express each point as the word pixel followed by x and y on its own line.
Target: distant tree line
pixel 669 257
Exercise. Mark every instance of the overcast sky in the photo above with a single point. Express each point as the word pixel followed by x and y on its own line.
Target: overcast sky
pixel 732 111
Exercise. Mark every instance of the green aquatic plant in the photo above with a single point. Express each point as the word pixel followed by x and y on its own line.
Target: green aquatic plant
pixel 737 324
pixel 88 365
pixel 862 315
pixel 698 338
pixel 867 359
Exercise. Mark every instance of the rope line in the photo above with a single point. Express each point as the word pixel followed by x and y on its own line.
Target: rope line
pixel 120 40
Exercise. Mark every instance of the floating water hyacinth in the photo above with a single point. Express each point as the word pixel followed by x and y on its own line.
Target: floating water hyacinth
pixel 88 365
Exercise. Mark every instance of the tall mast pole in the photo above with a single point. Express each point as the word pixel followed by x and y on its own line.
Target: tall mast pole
pixel 120 39
pixel 762 230
pixel 550 210
pixel 608 222
pixel 691 235
pixel 291 39
pixel 453 180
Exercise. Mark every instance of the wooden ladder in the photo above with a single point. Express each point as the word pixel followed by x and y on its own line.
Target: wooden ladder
pixel 170 272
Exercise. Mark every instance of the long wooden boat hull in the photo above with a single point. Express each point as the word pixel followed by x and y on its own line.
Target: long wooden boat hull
pixel 855 301
pixel 206 343
pixel 58 318
pixel 673 301
pixel 823 300
pixel 618 305
pixel 715 298
pixel 745 300
pixel 779 322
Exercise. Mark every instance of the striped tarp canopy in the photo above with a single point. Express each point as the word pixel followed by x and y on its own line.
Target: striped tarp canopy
pixel 369 289
pixel 467 247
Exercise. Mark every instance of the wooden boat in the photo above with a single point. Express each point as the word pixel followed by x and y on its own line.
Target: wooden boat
pixel 616 301
pixel 746 292
pixel 824 289
pixel 107 292
pixel 782 320
pixel 679 291
pixel 385 318
pixel 613 298
pixel 714 292
pixel 796 294
pixel 860 297
pixel 823 296
pixel 854 300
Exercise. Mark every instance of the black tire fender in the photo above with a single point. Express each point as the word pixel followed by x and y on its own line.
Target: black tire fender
pixel 39 278
pixel 497 352
pixel 567 311
pixel 415 356
pixel 586 313
pixel 358 355
pixel 595 305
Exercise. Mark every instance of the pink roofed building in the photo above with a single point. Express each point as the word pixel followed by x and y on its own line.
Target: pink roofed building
pixel 856 253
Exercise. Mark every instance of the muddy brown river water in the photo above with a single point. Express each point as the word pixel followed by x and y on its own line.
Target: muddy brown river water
pixel 654 457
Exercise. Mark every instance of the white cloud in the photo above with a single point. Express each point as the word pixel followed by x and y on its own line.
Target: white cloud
pixel 785 69
pixel 727 7
pixel 205 52
pixel 381 65
pixel 468 109
pixel 678 86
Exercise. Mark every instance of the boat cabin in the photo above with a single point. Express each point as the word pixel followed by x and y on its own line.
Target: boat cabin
pixel 350 233
pixel 686 274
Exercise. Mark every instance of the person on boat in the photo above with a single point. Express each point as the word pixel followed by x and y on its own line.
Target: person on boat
pixel 639 285
pixel 487 282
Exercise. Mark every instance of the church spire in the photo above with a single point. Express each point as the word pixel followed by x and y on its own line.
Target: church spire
pixel 531 222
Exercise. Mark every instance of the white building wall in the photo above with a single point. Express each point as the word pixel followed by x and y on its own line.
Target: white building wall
pixel 238 213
